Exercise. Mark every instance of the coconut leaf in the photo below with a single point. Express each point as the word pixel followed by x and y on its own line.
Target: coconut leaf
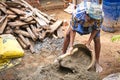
pixel 116 38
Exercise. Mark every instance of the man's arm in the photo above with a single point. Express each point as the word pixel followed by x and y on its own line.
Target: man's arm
pixel 96 28
pixel 93 34
pixel 72 37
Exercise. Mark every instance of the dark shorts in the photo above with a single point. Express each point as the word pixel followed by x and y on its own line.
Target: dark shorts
pixel 97 34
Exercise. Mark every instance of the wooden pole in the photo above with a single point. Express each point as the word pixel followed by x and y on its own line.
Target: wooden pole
pixel 23 39
pixel 24 46
pixel 2 28
pixel 31 34
pixel 24 33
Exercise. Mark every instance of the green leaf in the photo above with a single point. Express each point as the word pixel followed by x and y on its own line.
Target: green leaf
pixel 116 38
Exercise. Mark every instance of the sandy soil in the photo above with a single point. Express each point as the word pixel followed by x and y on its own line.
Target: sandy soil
pixel 109 59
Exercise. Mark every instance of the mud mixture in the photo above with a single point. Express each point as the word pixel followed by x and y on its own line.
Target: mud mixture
pixel 70 68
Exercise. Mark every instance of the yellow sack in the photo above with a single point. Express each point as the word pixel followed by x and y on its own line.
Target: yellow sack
pixel 9 47
pixel 9 63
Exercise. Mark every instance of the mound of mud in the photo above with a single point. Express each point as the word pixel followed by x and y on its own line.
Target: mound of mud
pixel 72 67
pixel 80 58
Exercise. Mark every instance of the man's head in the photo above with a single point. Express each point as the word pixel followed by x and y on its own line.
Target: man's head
pixel 95 11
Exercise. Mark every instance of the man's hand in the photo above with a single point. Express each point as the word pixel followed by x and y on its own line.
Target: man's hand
pixel 87 44
pixel 69 50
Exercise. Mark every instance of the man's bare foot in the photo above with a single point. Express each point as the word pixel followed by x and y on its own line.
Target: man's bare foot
pixel 98 68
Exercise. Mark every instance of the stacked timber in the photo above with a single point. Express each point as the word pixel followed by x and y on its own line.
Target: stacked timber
pixel 26 23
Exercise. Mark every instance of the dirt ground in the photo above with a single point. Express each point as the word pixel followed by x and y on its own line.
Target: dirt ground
pixel 109 57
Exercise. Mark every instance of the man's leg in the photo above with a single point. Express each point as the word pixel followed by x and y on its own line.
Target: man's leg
pixel 97 53
pixel 97 48
pixel 69 39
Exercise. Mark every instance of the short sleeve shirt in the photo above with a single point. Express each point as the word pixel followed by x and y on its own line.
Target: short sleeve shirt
pixel 78 20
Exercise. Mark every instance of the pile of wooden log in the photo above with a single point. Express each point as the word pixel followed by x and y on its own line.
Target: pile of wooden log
pixel 26 23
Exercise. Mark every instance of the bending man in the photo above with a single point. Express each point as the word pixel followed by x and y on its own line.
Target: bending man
pixel 85 20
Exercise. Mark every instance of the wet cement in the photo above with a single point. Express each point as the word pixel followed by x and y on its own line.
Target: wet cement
pixel 70 68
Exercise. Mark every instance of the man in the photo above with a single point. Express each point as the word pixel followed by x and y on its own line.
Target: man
pixel 86 19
